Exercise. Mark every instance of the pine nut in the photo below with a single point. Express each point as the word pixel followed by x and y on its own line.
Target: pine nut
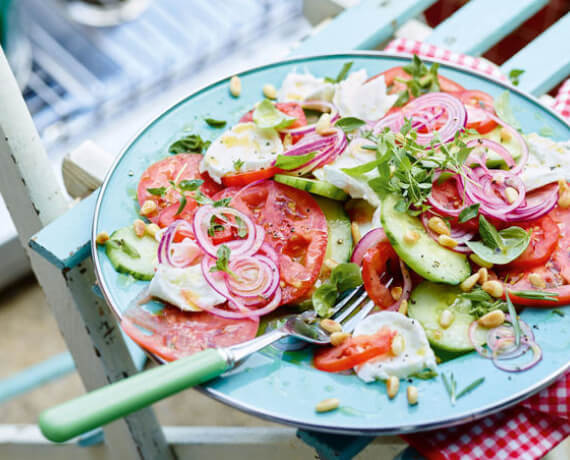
pixel 338 338
pixel 493 288
pixel 403 307
pixel 537 281
pixel 483 275
pixel 326 405
pixel 446 318
pixel 330 326
pixel 102 238
pixel 492 319
pixel 149 207
pixel 396 292
pixel 438 226
pixel 269 91
pixel 139 227
pixel 446 241
pixel 355 229
pixel 392 386
pixel 412 393
pixel 511 195
pixel 323 126
pixel 469 282
pixel 398 345
pixel 235 86
pixel 411 236
pixel 505 135
pixel 152 229
pixel 563 194
pixel 282 284
pixel 475 258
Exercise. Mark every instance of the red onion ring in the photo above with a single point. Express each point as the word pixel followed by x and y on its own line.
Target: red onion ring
pixel 514 133
pixel 259 287
pixel 537 356
pixel 165 247
pixel 369 240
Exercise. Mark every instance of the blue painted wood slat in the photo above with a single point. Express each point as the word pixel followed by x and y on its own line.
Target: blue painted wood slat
pixel 478 25
pixel 362 27
pixel 545 60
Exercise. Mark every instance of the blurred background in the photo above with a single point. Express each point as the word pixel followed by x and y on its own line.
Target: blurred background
pixel 87 67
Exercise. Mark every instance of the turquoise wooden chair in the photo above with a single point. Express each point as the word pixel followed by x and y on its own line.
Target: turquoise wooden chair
pixel 60 239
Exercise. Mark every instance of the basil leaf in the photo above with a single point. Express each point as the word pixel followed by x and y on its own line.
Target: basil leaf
pixel 289 162
pixel 191 143
pixel 504 111
pixel 324 298
pixel 266 115
pixel 489 234
pixel 215 123
pixel 223 258
pixel 346 276
pixel 238 164
pixel 223 203
pixel 358 171
pixel 190 185
pixel 514 75
pixel 512 243
pixel 159 191
pixel 349 124
pixel 242 227
pixel 342 74
pixel 182 204
pixel 470 212
pixel 202 199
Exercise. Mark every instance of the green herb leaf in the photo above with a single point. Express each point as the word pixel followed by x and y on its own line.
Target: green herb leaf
pixel 324 298
pixel 238 164
pixel 349 124
pixel 202 199
pixel 546 131
pixel 425 374
pixel 183 202
pixel 215 123
pixel 159 191
pixel 222 203
pixel 190 143
pixel 242 227
pixel 266 115
pixel 190 185
pixel 514 75
pixel 470 212
pixel 451 387
pixel 536 295
pixel 559 313
pixel 222 261
pixel 504 110
pixel 289 162
pixel 358 171
pixel 343 277
pixel 470 387
pixel 342 74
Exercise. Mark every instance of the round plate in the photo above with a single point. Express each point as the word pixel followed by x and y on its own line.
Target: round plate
pixel 282 386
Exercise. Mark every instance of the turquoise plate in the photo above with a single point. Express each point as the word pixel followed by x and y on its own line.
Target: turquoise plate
pixel 282 386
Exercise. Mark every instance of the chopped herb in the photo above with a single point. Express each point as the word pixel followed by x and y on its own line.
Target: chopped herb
pixel 214 227
pixel 190 143
pixel 451 386
pixel 470 212
pixel 238 164
pixel 425 375
pixel 222 203
pixel 349 124
pixel 190 185
pixel 480 303
pixel 470 387
pixel 289 162
pixel 159 191
pixel 536 295
pixel 215 123
pixel 183 202
pixel 242 227
pixel 514 75
pixel 342 74
pixel 222 261
pixel 559 313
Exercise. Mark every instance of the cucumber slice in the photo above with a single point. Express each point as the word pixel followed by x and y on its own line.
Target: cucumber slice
pixel 427 258
pixel 339 246
pixel 126 260
pixel 427 302
pixel 317 187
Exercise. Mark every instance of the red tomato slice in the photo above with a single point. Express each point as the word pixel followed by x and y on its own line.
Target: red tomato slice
pixel 288 108
pixel 446 194
pixel 176 333
pixel 184 166
pixel 354 351
pixel 244 178
pixel 380 264
pixel 295 227
pixel 477 104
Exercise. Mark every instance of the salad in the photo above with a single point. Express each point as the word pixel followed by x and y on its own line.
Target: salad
pixel 425 192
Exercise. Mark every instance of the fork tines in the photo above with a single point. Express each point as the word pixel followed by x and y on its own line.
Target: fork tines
pixel 353 308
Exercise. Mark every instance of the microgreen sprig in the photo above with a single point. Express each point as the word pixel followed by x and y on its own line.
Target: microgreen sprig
pixel 451 386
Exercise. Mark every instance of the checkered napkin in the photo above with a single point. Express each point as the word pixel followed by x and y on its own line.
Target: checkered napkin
pixel 531 429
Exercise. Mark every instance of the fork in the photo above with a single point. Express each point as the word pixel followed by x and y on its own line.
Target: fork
pixel 119 399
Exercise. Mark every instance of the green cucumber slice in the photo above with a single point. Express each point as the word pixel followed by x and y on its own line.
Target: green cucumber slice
pixel 126 260
pixel 512 145
pixel 427 301
pixel 317 187
pixel 339 246
pixel 426 257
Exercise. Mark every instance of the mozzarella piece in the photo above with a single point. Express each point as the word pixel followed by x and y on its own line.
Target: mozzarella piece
pixel 368 101
pixel 354 155
pixel 547 162
pixel 245 143
pixel 416 356
pixel 184 288
pixel 304 86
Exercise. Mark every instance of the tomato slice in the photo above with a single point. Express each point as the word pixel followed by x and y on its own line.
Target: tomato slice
pixel 244 178
pixel 380 269
pixel 175 333
pixel 295 227
pixel 292 109
pixel 184 166
pixel 354 351
pixel 478 103
pixel 446 193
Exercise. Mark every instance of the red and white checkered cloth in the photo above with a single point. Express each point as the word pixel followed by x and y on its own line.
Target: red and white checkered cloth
pixel 531 429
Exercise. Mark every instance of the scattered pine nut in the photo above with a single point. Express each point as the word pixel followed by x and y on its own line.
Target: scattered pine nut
pixel 392 386
pixel 323 126
pixel 396 292
pixel 149 207
pixel 412 393
pixel 511 195
pixel 469 282
pixel 403 307
pixel 537 281
pixel 398 345
pixel 492 319
pixel 330 325
pixel 326 405
pixel 505 135
pixel 475 258
pixel 411 236
pixel 483 275
pixel 102 238
pixel 446 318
pixel 152 230
pixel 563 194
pixel 446 241
pixel 282 284
pixel 438 226
pixel 493 288
pixel 139 227
pixel 235 86
pixel 355 229
pixel 338 338
pixel 269 91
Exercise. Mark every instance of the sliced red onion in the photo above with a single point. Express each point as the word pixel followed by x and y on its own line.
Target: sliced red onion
pixel 537 356
pixel 536 205
pixel 369 240
pixel 268 250
pixel 166 246
pixel 257 278
pixel 514 133
pixel 488 144
pixel 394 122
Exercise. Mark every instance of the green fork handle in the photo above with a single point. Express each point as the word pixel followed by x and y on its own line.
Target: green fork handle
pixel 117 400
